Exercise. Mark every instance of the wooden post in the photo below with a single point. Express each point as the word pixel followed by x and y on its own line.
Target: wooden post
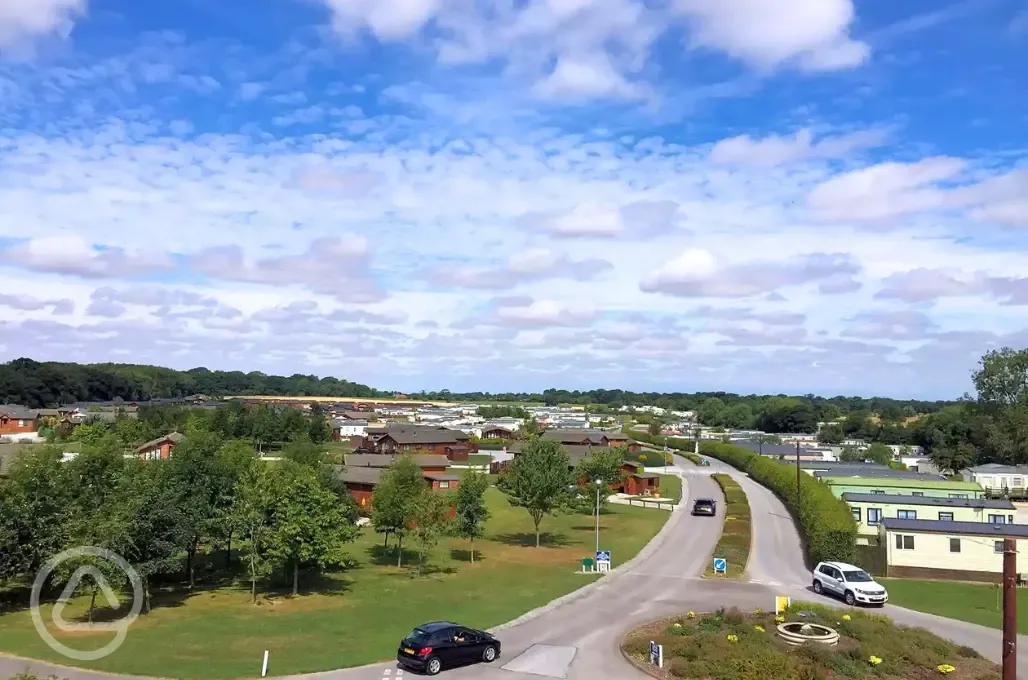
pixel 1009 609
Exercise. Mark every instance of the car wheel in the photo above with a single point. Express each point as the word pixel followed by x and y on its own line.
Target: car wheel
pixel 818 588
pixel 489 654
pixel 433 666
pixel 850 600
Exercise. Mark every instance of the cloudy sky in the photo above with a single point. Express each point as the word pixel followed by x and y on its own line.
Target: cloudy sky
pixel 825 196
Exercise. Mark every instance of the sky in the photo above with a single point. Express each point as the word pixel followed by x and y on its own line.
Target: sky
pixel 819 196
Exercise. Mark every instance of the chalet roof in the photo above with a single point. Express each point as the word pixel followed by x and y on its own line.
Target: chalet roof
pixel 957 528
pixel 421 434
pixel 173 437
pixel 896 499
pixel 17 412
pixel 381 460
pixel 575 436
pixel 359 475
pixel 443 476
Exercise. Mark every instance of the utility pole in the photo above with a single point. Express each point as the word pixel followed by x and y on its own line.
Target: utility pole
pixel 598 482
pixel 797 474
pixel 1009 609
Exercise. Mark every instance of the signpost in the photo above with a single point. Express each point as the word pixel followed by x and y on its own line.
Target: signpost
pixel 587 565
pixel 603 561
pixel 656 654
pixel 720 566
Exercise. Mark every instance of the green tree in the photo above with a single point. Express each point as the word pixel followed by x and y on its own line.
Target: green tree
pixel 831 434
pixel 539 480
pixel 851 454
pixel 393 503
pixel 36 510
pixel 954 458
pixel 254 501
pixel 712 412
pixel 654 428
pixel 530 428
pixel 304 452
pixel 739 416
pixel 879 453
pixel 1001 382
pixel 603 464
pixel 308 526
pixel 471 511
pixel 430 521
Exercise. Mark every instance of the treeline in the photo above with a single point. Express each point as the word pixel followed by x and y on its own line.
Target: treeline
pixel 503 411
pixel 50 384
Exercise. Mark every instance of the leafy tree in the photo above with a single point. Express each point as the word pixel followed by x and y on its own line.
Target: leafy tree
pixel 851 454
pixel 394 501
pixel 304 452
pixel 831 434
pixel 1001 381
pixel 712 412
pixel 150 505
pixel 603 464
pixel 654 428
pixel 36 510
pixel 788 415
pixel 953 458
pixel 308 526
pixel 539 480
pixel 254 501
pixel 879 453
pixel 471 511
pixel 430 520
pixel 530 428
pixel 91 433
pixel 738 416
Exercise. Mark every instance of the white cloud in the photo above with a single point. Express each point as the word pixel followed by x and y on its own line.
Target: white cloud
pixel 24 21
pixel 71 254
pixel 814 33
pixel 777 150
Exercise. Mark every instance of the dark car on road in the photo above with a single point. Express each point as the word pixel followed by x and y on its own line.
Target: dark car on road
pixel 704 506
pixel 434 646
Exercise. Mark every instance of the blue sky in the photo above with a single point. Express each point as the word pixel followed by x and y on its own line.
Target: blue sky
pixel 819 196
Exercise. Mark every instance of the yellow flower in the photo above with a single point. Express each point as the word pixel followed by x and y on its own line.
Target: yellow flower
pixel 874 660
pixel 691 615
pixel 677 624
pixel 945 668
pixel 846 617
pixel 733 638
pixel 758 611
pixel 779 619
pixel 759 629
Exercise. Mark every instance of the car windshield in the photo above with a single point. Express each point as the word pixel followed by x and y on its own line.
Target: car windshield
pixel 418 637
pixel 858 576
pixel 704 502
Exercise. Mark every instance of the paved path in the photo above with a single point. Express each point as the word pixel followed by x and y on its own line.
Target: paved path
pixel 578 637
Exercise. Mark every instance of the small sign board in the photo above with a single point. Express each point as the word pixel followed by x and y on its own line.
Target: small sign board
pixel 604 566
pixel 720 565
pixel 782 603
pixel 603 556
pixel 587 564
pixel 656 654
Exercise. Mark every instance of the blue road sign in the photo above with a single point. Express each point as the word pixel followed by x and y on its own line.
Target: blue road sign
pixel 603 556
pixel 720 565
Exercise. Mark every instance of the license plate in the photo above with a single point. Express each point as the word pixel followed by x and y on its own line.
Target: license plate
pixel 408 651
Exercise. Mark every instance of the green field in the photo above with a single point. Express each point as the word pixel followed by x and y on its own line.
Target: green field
pixel 971 602
pixel 357 616
pixel 479 459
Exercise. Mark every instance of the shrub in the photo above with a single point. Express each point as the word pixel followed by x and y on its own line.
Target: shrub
pixel 733 616
pixel 968 652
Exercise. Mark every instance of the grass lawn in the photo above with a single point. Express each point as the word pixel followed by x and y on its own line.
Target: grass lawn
pixel 357 616
pixel 971 602
pixel 671 487
pixel 479 459
pixel 734 544
pixel 649 458
pixel 735 645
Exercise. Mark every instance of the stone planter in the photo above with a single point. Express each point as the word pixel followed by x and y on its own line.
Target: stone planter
pixel 798 633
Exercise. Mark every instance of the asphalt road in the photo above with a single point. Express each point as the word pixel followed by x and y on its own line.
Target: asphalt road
pixel 578 639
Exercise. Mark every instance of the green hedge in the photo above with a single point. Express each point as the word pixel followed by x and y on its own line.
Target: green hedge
pixel 737 534
pixel 825 520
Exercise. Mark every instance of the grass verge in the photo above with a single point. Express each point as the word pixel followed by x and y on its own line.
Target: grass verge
pixel 734 544
pixel 733 645
pixel 971 602
pixel 671 487
pixel 356 616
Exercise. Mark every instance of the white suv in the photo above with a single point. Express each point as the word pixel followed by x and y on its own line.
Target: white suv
pixel 852 584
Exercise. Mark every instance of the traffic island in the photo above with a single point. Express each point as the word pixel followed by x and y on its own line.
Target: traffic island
pixel 735 645
pixel 733 548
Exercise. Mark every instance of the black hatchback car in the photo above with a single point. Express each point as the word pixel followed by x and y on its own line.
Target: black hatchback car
pixel 704 506
pixel 433 646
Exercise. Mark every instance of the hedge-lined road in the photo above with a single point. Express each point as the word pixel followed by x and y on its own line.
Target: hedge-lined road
pixel 664 580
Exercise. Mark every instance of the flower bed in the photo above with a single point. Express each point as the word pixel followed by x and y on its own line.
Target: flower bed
pixel 734 645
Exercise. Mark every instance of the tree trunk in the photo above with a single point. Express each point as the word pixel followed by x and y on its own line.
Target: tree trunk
pixel 537 522
pixel 228 550
pixel 399 550
pixel 296 577
pixel 386 544
pixel 191 563
pixel 146 595
pixel 92 603
pixel 472 549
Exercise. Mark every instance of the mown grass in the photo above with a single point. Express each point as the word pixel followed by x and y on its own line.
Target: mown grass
pixel 671 487
pixel 701 647
pixel 734 544
pixel 971 602
pixel 356 616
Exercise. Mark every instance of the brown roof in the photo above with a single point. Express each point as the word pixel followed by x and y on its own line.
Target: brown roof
pixel 575 436
pixel 617 436
pixel 381 460
pixel 646 475
pixel 17 412
pixel 359 475
pixel 420 434
pixel 173 437
pixel 443 476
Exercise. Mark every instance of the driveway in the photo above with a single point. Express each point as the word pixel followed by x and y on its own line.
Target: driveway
pixel 577 638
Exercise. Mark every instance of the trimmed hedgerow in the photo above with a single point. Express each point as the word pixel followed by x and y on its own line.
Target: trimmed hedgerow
pixel 825 520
